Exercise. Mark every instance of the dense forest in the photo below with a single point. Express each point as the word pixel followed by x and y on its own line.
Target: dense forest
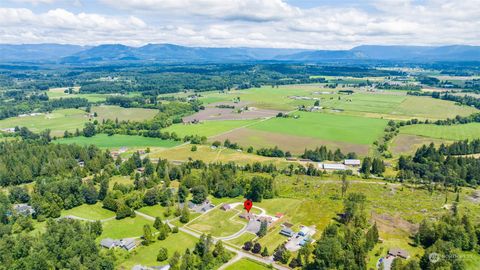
pixel 442 165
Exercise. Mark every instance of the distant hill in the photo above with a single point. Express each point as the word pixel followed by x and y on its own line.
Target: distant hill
pixel 73 54
pixel 37 52
pixel 395 53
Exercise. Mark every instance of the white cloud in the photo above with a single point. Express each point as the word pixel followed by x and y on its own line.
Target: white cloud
pixel 34 2
pixel 259 23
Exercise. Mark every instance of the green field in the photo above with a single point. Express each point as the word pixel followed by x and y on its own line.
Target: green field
pixel 244 237
pixel 454 132
pixel 154 211
pixel 123 114
pixel 117 141
pixel 208 128
pixel 332 127
pixel 93 212
pixel 247 264
pixel 124 228
pixel 58 121
pixel 56 93
pixel 147 255
pixel 217 222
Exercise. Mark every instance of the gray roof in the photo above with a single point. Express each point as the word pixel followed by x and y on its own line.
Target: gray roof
pixel 108 243
pixel 128 243
pixel 335 166
pixel 398 252
pixel 23 208
pixel 352 162
pixel 287 231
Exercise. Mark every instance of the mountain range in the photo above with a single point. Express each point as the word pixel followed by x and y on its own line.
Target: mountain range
pixel 168 53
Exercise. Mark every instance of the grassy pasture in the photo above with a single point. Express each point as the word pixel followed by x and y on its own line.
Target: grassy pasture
pixel 117 141
pixel 454 132
pixel 124 228
pixel 56 93
pixel 155 211
pixel 247 264
pixel 208 128
pixel 93 212
pixel 406 144
pixel 217 222
pixel 332 127
pixel 147 255
pixel 58 121
pixel 126 114
pixel 208 155
pixel 239 241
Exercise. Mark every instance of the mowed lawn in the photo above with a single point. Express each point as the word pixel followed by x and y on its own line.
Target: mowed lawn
pixel 93 212
pixel 454 132
pixel 147 255
pixel 207 128
pixel 323 126
pixel 247 264
pixel 125 114
pixel 217 222
pixel 58 121
pixel 117 141
pixel 124 228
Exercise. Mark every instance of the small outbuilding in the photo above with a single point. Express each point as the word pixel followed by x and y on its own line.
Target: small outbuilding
pixel 352 162
pixel 287 232
pixel 225 207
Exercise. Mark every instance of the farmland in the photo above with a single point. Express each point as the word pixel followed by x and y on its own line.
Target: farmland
pixel 208 128
pixel 58 121
pixel 123 114
pixel 217 222
pixel 454 132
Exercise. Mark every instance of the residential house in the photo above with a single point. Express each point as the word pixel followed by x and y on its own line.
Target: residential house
pixel 397 252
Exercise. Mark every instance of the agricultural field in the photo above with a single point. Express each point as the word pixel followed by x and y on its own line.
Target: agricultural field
pixel 118 140
pixel 310 130
pixel 123 114
pixel 208 128
pixel 406 144
pixel 209 155
pixel 454 132
pixel 56 93
pixel 58 121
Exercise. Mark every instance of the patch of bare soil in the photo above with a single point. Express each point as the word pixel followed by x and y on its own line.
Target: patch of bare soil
pixel 295 144
pixel 390 224
pixel 475 196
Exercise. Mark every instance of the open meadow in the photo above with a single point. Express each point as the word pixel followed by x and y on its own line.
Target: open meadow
pixel 247 264
pixel 208 128
pixel 123 114
pixel 218 223
pixel 468 131
pixel 58 121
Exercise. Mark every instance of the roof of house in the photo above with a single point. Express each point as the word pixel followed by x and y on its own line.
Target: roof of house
pixel 107 242
pixel 287 224
pixel 279 215
pixel 352 162
pixel 23 208
pixel 335 166
pixel 287 231
pixel 226 206
pixel 398 252
pixel 128 243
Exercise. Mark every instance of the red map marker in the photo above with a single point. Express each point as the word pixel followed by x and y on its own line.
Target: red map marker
pixel 248 205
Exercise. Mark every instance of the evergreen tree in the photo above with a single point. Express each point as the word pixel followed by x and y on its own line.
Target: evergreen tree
pixel 147 235
pixel 162 254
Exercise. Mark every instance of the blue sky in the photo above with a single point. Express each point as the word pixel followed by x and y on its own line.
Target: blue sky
pixel 314 24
